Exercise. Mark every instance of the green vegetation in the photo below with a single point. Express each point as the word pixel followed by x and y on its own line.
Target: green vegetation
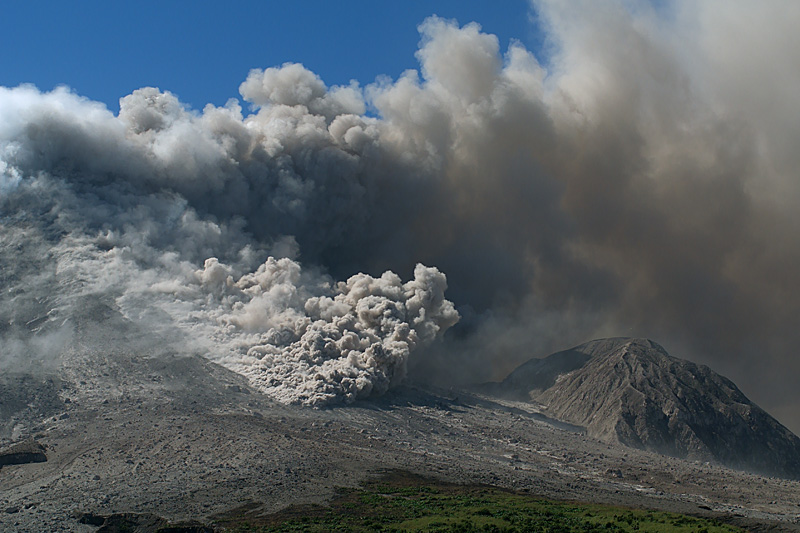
pixel 401 502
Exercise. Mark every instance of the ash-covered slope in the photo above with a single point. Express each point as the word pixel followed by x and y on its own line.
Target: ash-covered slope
pixel 632 391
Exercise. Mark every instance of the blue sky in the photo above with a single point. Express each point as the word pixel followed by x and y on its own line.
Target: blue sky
pixel 203 50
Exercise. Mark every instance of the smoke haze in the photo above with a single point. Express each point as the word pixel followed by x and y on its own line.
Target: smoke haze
pixel 638 179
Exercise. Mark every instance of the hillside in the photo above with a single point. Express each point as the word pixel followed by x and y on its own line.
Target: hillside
pixel 632 391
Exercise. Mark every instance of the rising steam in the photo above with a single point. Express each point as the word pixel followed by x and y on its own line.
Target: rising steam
pixel 640 180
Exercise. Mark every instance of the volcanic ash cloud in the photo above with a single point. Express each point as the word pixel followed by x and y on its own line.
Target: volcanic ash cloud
pixel 641 179
pixel 312 342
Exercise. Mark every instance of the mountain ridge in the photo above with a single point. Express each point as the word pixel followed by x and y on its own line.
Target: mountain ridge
pixel 630 390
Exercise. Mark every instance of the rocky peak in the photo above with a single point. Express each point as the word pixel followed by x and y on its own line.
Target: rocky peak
pixel 632 391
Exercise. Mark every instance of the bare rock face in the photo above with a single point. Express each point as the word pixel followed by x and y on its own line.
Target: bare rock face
pixel 21 453
pixel 631 391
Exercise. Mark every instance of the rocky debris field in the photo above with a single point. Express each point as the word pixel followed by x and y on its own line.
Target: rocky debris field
pixel 182 439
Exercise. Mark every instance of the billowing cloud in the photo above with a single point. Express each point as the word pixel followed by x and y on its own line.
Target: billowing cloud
pixel 640 178
pixel 313 343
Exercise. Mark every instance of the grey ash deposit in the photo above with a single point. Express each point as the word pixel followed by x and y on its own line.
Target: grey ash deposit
pixel 171 438
pixel 632 391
